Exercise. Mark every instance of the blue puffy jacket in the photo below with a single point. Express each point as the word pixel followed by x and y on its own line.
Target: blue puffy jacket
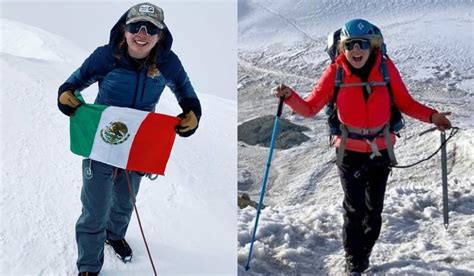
pixel 122 83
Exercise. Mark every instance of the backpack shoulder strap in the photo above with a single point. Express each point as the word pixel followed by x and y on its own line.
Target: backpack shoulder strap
pixel 384 69
pixel 386 77
pixel 337 84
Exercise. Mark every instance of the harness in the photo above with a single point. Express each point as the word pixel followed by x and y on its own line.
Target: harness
pixel 369 135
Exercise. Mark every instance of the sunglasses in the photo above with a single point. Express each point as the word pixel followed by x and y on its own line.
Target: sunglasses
pixel 135 27
pixel 363 44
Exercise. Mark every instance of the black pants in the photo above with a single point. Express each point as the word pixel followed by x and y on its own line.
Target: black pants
pixel 363 181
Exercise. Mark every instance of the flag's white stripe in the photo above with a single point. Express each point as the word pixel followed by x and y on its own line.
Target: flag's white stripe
pixel 116 155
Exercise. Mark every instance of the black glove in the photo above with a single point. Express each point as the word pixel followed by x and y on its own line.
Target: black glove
pixel 190 117
pixel 67 102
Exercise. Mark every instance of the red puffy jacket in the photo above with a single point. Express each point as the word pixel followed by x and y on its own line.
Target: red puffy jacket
pixel 353 110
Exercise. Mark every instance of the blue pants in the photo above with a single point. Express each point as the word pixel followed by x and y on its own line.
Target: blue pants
pixel 106 211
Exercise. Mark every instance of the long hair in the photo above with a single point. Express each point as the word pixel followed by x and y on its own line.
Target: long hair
pixel 121 51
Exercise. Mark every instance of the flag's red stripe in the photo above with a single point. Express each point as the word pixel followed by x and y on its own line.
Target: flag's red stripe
pixel 152 145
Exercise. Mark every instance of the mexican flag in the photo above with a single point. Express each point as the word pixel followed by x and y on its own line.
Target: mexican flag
pixel 123 137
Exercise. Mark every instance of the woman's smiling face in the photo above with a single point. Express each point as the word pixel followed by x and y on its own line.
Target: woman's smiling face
pixel 140 44
pixel 357 52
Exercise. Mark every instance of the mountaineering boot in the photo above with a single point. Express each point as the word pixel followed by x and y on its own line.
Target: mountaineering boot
pixel 355 266
pixel 364 260
pixel 122 249
pixel 87 274
pixel 364 264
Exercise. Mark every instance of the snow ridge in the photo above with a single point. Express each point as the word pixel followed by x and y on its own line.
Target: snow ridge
pixel 23 40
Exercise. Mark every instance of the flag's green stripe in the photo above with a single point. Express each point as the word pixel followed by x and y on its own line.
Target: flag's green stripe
pixel 78 95
pixel 83 126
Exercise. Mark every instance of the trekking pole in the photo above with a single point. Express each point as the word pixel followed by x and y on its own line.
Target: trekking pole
pixel 444 174
pixel 276 128
pixel 134 200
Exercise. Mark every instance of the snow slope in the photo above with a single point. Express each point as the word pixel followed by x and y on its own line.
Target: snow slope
pixel 188 215
pixel 300 232
pixel 32 42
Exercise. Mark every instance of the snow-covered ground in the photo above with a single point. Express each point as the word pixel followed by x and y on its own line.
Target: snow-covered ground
pixel 188 215
pixel 431 42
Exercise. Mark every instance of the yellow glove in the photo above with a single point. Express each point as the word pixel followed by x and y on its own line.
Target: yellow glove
pixel 188 125
pixel 68 103
pixel 68 98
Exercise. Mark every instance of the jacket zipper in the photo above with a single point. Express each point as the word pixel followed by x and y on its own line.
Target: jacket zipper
pixel 143 87
pixel 136 90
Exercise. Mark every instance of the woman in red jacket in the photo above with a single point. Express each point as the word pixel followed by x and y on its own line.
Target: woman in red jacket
pixel 364 143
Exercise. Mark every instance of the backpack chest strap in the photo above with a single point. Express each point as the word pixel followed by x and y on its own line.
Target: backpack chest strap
pixel 367 85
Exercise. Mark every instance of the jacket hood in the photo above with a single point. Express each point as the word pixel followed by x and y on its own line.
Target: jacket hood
pixel 164 45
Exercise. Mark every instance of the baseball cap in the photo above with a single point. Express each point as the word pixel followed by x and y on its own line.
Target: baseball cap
pixel 146 12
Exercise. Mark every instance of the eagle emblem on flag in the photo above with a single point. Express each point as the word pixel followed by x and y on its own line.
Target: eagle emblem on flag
pixel 115 133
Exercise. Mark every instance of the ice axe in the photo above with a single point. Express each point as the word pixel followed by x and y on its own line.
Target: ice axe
pixel 276 129
pixel 444 176
pixel 444 170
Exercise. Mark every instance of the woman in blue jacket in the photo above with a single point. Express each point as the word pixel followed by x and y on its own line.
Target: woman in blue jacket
pixel 131 71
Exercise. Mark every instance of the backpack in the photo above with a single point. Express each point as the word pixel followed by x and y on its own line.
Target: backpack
pixel 335 127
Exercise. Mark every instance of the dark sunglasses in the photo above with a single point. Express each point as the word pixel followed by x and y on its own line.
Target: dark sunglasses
pixel 135 27
pixel 363 44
